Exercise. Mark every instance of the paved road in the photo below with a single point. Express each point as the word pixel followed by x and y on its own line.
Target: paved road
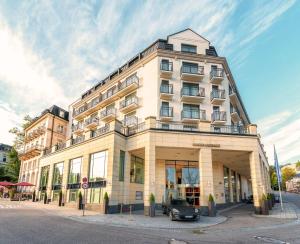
pixel 27 225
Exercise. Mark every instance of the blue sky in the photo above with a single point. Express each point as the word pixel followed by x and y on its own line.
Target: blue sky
pixel 51 51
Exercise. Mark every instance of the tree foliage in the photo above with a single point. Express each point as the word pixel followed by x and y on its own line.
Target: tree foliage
pixel 287 174
pixel 12 168
pixel 19 132
pixel 298 165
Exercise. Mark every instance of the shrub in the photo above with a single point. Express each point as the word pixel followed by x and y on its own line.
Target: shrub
pixel 106 198
pixel 264 197
pixel 211 198
pixel 152 198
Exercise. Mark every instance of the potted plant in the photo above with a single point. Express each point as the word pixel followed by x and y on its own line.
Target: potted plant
pixel 80 204
pixel 45 198
pixel 152 205
pixel 60 196
pixel 11 194
pixel 33 196
pixel 264 205
pixel 269 197
pixel 106 203
pixel 211 206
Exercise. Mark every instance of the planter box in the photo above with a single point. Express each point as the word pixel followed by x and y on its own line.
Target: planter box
pixel 212 210
pixel 152 210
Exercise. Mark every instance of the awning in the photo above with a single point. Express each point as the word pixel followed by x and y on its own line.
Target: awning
pixel 6 183
pixel 23 184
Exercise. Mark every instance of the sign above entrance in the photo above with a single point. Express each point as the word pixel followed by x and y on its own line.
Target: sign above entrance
pixel 206 145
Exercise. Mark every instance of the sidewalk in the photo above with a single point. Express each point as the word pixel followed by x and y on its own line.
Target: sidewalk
pixel 290 211
pixel 136 220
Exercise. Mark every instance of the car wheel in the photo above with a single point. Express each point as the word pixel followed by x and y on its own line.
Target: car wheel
pixel 171 216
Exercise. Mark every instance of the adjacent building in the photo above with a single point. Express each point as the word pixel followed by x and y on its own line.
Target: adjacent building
pixel 169 122
pixel 4 150
pixel 293 185
pixel 47 130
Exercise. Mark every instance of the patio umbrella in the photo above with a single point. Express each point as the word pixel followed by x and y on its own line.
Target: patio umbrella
pixel 6 183
pixel 23 184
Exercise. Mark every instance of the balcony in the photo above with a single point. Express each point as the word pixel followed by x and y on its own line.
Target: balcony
pixel 218 117
pixel 190 115
pixel 30 152
pixel 192 73
pixel 101 131
pixel 166 70
pixel 91 122
pixel 193 95
pixel 108 115
pixel 216 76
pixel 112 94
pixel 166 113
pixel 166 91
pixel 217 97
pixel 235 116
pixel 77 129
pixel 230 129
pixel 233 96
pixel 128 85
pixel 130 121
pixel 129 104
pixel 77 140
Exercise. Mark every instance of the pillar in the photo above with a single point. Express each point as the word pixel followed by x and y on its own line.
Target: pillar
pixel 126 183
pixel 206 178
pixel 256 179
pixel 149 180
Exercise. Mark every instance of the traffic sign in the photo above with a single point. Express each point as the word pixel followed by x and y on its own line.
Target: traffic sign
pixel 84 179
pixel 85 185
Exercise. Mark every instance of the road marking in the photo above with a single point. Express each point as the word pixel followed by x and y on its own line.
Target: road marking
pixel 267 239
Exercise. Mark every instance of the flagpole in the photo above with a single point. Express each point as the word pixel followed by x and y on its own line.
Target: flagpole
pixel 279 188
pixel 278 173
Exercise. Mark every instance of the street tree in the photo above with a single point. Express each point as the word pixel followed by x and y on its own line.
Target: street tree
pixel 12 168
pixel 287 174
pixel 19 132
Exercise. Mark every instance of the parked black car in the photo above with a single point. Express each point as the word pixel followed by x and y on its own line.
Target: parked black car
pixel 179 209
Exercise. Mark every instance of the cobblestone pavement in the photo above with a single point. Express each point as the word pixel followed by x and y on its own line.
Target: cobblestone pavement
pixel 28 224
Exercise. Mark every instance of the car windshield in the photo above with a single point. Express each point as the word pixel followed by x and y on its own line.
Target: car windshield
pixel 180 203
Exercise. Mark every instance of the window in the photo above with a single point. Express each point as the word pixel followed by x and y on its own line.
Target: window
pixel 4 158
pixel 226 184
pixel 58 174
pixel 122 166
pixel 165 126
pixel 75 171
pixel 60 129
pixel 137 170
pixel 61 114
pixel 190 89
pixel 98 166
pixel 188 48
pixel 44 176
pixel 73 195
pixel 95 195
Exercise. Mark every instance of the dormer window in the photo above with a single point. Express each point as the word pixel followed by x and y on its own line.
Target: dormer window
pixel 61 114
pixel 188 48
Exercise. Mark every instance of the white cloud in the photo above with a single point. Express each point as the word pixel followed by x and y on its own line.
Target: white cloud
pixel 282 130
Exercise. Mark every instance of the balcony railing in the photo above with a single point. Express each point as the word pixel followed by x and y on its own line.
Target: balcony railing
pixel 218 116
pixel 166 66
pixel 108 94
pixel 218 94
pixel 130 121
pixel 78 139
pixel 106 112
pixel 166 88
pixel 175 126
pixel 60 146
pixel 101 131
pixel 191 69
pixel 91 120
pixel 217 73
pixel 77 127
pixel 193 92
pixel 230 129
pixel 166 111
pixel 129 101
pixel 190 114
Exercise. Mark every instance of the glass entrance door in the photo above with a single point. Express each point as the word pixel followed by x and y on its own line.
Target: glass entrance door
pixel 182 181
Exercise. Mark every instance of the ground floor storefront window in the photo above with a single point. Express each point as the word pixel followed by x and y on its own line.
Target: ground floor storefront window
pixel 182 181
pixel 73 195
pixel 226 185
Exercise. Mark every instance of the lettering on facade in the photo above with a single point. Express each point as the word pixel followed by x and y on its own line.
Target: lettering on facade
pixel 206 145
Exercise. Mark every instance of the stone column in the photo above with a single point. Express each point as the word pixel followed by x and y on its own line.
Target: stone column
pixel 256 179
pixel 126 184
pixel 49 183
pixel 149 181
pixel 206 178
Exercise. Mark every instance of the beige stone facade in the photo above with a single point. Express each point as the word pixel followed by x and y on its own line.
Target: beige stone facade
pixel 169 122
pixel 45 131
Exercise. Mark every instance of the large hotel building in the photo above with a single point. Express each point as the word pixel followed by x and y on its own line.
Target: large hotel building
pixel 168 122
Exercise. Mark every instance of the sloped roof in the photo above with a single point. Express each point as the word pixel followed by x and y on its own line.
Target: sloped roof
pixel 188 29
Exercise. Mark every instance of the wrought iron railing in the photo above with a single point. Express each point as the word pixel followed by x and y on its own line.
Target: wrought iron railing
pixel 166 111
pixel 166 88
pixel 218 116
pixel 192 69
pixel 216 73
pixel 218 94
pixel 166 66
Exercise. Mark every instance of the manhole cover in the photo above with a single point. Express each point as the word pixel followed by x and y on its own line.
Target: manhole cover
pixel 173 241
pixel 267 239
